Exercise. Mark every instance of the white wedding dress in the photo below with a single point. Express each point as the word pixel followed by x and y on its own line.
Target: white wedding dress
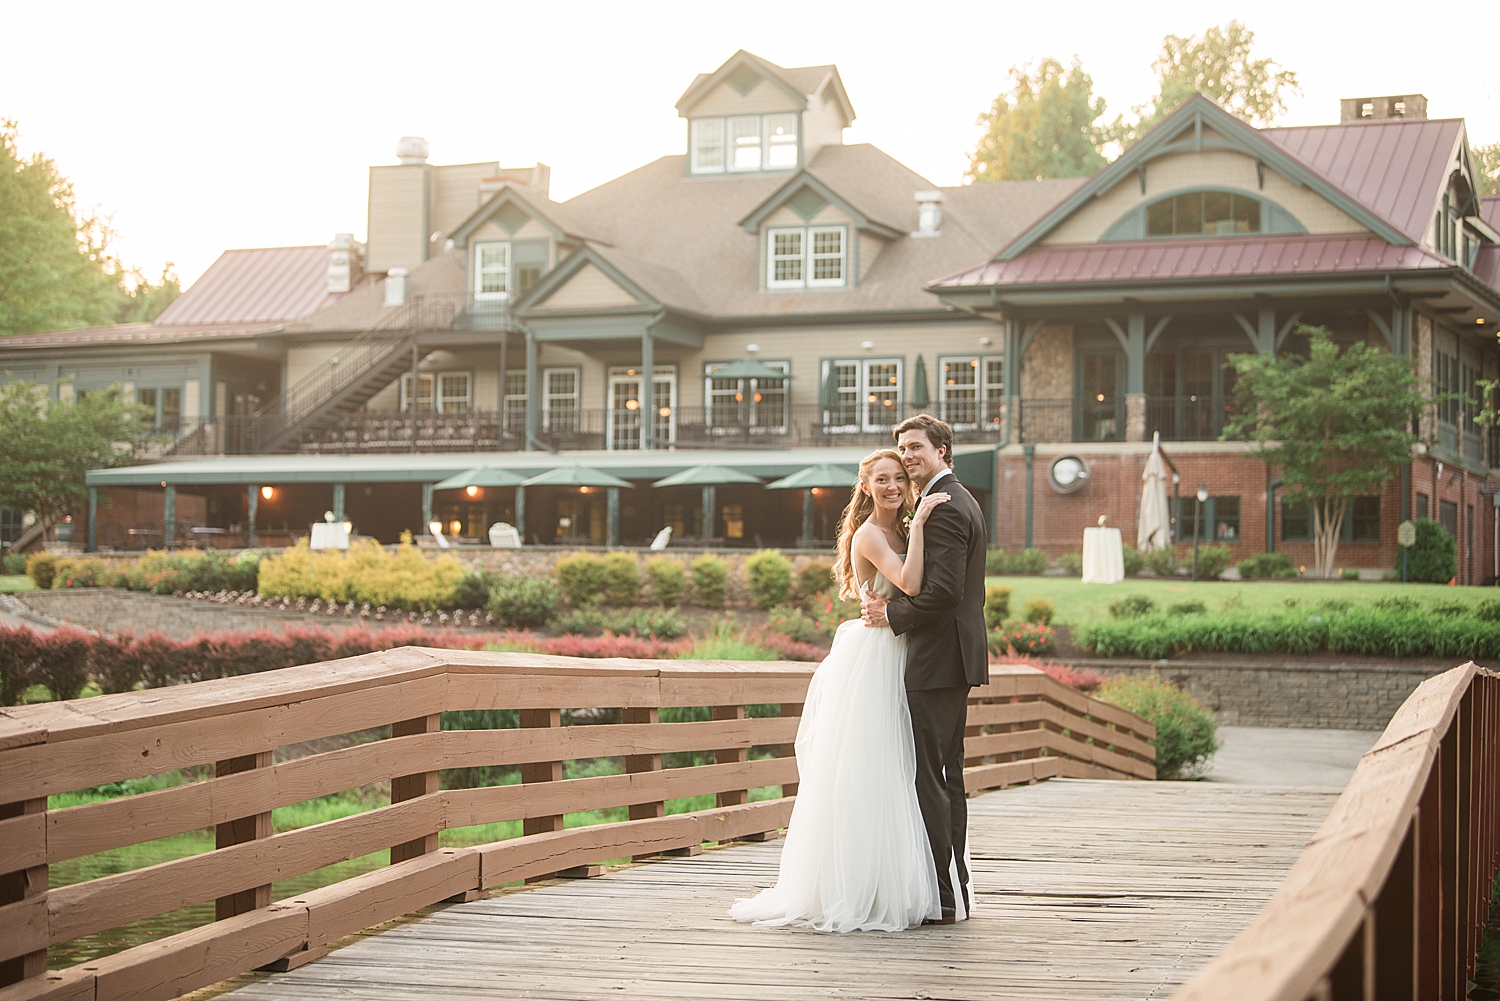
pixel 856 855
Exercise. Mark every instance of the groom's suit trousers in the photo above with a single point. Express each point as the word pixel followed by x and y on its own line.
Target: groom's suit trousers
pixel 938 718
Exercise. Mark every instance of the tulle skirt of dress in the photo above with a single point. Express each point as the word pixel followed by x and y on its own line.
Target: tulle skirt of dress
pixel 856 855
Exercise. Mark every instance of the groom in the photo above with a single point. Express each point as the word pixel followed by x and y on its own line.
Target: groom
pixel 947 652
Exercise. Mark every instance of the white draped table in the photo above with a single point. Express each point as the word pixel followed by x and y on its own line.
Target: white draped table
pixel 1103 559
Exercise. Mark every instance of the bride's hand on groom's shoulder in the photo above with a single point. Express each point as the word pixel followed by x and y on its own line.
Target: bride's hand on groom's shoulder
pixel 924 508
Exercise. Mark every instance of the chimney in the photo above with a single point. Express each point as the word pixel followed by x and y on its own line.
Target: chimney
pixel 411 151
pixel 395 286
pixel 929 213
pixel 343 263
pixel 1375 109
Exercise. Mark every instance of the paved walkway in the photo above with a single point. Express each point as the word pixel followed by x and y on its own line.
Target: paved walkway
pixel 1256 755
pixel 1088 890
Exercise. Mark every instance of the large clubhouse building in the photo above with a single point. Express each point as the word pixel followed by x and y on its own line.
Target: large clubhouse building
pixel 772 299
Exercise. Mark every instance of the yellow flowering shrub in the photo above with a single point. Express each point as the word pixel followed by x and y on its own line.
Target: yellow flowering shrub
pixel 366 572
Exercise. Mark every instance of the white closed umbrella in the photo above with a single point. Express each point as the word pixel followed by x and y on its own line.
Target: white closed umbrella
pixel 1152 527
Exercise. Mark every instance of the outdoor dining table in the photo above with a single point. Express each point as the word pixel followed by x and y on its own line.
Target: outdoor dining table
pixel 1103 558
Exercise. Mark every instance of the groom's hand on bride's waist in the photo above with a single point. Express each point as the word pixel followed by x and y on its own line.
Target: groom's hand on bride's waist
pixel 872 609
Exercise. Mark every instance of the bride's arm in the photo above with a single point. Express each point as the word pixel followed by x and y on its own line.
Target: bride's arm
pixel 909 579
pixel 870 543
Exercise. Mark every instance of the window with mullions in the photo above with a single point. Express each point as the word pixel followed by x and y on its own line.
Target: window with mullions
pixel 515 401
pixel 560 399
pixel 454 392
pixel 1203 213
pixel 970 390
pixel 806 258
pixel 868 394
pixel 1361 521
pixel 1221 519
pixel 506 270
pixel 754 403
pixel 743 143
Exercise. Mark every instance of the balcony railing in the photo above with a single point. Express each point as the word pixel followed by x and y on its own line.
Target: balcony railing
pixel 1187 418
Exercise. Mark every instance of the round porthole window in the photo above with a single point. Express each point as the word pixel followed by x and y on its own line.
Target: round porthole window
pixel 1067 473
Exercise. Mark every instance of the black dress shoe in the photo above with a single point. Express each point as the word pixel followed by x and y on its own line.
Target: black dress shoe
pixel 946 919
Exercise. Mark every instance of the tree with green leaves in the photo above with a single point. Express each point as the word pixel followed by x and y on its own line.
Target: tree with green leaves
pixel 1045 126
pixel 51 443
pixel 1487 166
pixel 57 270
pixel 1217 64
pixel 1335 423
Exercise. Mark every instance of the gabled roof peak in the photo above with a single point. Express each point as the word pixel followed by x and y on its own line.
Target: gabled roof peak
pixel 744 70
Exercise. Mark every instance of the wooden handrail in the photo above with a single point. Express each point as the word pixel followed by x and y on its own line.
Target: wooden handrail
pixel 1389 898
pixel 1024 727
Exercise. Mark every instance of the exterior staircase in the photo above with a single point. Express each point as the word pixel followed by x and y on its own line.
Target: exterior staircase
pixel 352 375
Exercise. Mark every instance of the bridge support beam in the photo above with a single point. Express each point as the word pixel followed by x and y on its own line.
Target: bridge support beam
pixel 541 771
pixel 789 750
pixel 27 883
pixel 407 787
pixel 731 797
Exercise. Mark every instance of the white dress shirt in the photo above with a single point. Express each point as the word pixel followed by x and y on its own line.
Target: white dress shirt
pixel 932 483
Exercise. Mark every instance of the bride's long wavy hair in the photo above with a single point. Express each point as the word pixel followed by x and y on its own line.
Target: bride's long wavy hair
pixel 861 506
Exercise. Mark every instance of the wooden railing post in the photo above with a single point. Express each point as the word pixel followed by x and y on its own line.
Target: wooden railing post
pixel 731 797
pixel 406 787
pixel 240 830
pixel 541 771
pixel 1396 921
pixel 1429 884
pixel 26 822
pixel 643 762
pixel 789 750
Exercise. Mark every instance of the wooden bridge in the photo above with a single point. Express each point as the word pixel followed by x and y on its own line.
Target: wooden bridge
pixel 1089 886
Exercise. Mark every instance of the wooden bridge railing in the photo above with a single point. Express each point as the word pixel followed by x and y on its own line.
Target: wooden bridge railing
pixel 1390 897
pixel 1024 727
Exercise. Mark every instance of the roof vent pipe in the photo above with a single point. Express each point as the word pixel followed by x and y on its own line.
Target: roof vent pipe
pixel 411 150
pixel 395 286
pixel 342 262
pixel 929 213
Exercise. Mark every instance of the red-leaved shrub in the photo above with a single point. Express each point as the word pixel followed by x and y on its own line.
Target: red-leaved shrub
pixel 1083 681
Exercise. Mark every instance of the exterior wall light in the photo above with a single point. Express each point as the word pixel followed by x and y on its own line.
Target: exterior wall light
pixel 268 492
pixel 435 527
pixel 455 527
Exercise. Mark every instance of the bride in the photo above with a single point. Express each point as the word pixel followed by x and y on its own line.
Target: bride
pixel 856 856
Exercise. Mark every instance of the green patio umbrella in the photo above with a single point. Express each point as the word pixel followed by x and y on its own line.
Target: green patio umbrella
pixel 821 476
pixel 749 368
pixel 576 476
pixel 708 477
pixel 579 476
pixel 481 476
pixel 705 476
pixel 920 397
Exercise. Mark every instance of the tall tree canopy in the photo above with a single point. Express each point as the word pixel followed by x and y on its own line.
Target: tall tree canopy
pixel 56 267
pixel 1336 424
pixel 1049 123
pixel 1043 127
pixel 1218 65
pixel 1487 165
pixel 50 444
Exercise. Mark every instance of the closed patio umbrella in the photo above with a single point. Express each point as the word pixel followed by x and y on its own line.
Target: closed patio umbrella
pixel 708 477
pixel 1153 529
pixel 821 476
pixel 920 397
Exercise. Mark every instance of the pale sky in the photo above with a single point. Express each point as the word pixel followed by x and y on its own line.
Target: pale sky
pixel 209 125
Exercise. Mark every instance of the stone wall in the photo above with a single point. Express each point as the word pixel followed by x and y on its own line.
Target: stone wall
pixel 1324 697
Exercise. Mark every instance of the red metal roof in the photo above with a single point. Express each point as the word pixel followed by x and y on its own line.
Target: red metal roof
pixel 1489 210
pixel 1395 168
pixel 1241 257
pixel 137 333
pixel 264 285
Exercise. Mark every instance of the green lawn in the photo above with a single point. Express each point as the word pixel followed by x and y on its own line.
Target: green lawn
pixel 20 582
pixel 1078 602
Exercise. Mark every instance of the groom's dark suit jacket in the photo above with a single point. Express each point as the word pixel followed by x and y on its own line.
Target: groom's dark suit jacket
pixel 944 622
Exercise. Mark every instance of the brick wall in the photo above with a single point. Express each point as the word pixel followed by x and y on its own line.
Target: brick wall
pixel 1114 489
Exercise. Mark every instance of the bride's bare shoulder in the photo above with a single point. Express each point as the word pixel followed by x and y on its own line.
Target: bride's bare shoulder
pixel 869 536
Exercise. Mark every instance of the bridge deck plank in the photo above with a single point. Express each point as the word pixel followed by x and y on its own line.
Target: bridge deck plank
pixel 1087 889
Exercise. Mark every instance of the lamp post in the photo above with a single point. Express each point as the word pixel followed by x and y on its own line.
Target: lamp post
pixel 1197 517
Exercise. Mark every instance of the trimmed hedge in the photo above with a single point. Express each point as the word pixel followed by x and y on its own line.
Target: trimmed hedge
pixel 710 580
pixel 1186 735
pixel 769 576
pixel 1370 631
pixel 365 572
pixel 667 580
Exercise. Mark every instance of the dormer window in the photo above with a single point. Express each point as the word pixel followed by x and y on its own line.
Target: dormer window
pixel 492 271
pixel 743 143
pixel 815 257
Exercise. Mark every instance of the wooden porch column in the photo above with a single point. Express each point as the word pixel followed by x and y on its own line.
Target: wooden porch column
pixel 407 787
pixel 24 824
pixel 426 508
pixel 710 511
pixel 338 502
pixel 252 494
pixel 533 394
pixel 647 408
pixel 169 517
pixel 612 497
pixel 521 513
pixel 731 797
pixel 93 545
pixel 238 831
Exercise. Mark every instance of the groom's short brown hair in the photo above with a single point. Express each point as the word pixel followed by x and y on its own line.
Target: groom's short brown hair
pixel 938 433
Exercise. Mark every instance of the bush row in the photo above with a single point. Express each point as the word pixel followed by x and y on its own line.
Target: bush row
pixel 1385 632
pixel 155 572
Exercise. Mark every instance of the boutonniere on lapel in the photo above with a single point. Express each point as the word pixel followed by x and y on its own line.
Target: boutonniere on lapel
pixel 906 522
